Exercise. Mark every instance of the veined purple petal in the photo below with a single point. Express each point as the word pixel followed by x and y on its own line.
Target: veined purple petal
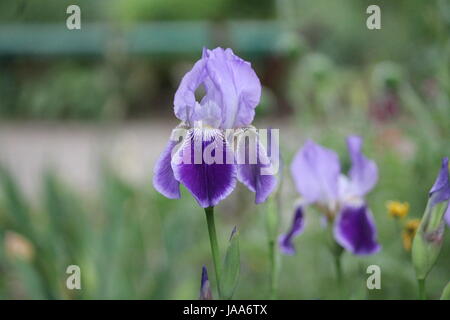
pixel 252 164
pixel 315 170
pixel 163 178
pixel 201 165
pixel 441 189
pixel 286 241
pixel 233 85
pixel 364 172
pixel 205 289
pixel 355 230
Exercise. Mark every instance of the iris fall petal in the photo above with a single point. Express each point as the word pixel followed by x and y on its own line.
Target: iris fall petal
pixel 163 178
pixel 355 230
pixel 286 240
pixel 209 181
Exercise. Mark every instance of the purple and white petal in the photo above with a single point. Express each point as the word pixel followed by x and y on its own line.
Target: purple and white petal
pixel 441 189
pixel 254 166
pixel 163 178
pixel 316 170
pixel 363 172
pixel 201 166
pixel 285 241
pixel 233 85
pixel 355 230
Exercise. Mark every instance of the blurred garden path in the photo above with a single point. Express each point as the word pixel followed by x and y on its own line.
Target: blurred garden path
pixel 76 151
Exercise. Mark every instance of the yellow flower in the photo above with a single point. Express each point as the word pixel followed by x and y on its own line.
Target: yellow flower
pixel 409 232
pixel 397 209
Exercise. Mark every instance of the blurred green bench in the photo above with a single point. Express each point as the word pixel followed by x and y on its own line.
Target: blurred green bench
pixel 153 38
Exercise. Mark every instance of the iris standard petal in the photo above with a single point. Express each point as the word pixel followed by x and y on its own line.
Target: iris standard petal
pixel 316 170
pixel 209 113
pixel 184 101
pixel 254 166
pixel 234 86
pixel 285 241
pixel 163 178
pixel 355 230
pixel 203 166
pixel 441 189
pixel 363 172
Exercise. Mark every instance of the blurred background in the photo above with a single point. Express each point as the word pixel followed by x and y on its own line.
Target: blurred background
pixel 84 114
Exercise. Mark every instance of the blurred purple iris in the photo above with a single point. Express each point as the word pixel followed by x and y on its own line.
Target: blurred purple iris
pixel 232 92
pixel 317 175
pixel 440 192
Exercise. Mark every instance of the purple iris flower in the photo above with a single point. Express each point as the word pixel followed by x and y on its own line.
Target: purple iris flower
pixel 317 175
pixel 232 92
pixel 440 191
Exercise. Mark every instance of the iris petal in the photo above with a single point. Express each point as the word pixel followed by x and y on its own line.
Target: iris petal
pixel 163 177
pixel 184 101
pixel 316 170
pixel 230 83
pixel 234 85
pixel 364 172
pixel 355 230
pixel 286 241
pixel 441 189
pixel 208 180
pixel 252 164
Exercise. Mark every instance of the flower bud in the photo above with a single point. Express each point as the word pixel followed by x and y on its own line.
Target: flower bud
pixel 428 240
pixel 205 289
pixel 429 237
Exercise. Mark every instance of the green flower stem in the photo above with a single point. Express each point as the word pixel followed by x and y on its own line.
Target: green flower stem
pixel 422 294
pixel 272 228
pixel 338 264
pixel 337 251
pixel 214 246
pixel 273 269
